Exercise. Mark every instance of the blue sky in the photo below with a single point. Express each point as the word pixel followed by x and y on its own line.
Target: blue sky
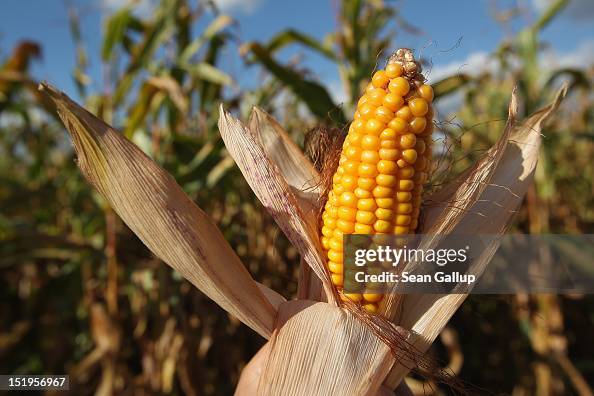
pixel 443 23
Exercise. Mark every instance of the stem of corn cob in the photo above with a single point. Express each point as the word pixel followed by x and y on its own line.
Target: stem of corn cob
pixel 383 165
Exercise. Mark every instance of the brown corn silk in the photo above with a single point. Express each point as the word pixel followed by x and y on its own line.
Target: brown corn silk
pixel 384 163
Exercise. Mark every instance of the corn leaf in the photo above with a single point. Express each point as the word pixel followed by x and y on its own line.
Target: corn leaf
pixel 275 194
pixel 115 30
pixel 215 27
pixel 207 72
pixel 323 350
pixel 291 36
pixel 482 200
pixel 156 209
pixel 449 85
pixel 314 95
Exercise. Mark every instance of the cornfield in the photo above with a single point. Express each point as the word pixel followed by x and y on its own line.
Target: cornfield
pixel 174 232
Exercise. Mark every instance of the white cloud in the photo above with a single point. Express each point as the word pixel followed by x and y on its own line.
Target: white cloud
pixel 245 6
pixel 475 64
pixel 478 62
pixel 337 92
pixel 581 10
pixel 581 57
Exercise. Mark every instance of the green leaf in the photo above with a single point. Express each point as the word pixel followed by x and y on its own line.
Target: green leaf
pixel 207 72
pixel 115 30
pixel 578 78
pixel 450 85
pixel 215 27
pixel 314 95
pixel 291 36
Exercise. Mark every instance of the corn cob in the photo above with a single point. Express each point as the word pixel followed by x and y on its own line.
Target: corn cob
pixel 383 165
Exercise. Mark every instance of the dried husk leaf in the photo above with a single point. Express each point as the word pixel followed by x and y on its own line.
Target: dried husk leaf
pixel 299 173
pixel 512 164
pixel 323 350
pixel 275 194
pixel 156 209
pixel 292 164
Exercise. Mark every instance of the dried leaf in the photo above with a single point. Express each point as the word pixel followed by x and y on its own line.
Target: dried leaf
pixel 151 203
pixel 293 165
pixel 299 173
pixel 323 350
pixel 490 192
pixel 276 195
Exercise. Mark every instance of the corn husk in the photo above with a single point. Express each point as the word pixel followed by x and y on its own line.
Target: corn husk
pixel 156 209
pixel 319 348
pixel 511 164
pixel 300 174
pixel 331 353
pixel 274 192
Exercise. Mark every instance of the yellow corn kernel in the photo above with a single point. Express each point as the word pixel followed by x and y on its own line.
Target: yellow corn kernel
pixel 403 196
pixel 384 214
pixel 347 213
pixel 334 243
pixel 376 97
pixel 335 257
pixel 367 204
pixel 337 279
pixel 347 198
pixel 389 154
pixel 384 114
pixel 393 101
pixel 366 111
pixel 368 170
pixel 370 157
pixel 394 70
pixel 406 172
pixel 364 217
pixel 389 143
pixel 345 226
pixel 405 185
pixel 418 106
pixel 399 86
pixel 385 203
pixel 402 220
pixel 405 114
pixel 418 124
pixel 386 180
pixel 404 208
pixel 356 297
pixel 408 141
pixel 362 193
pixel 382 192
pixel 380 79
pixel 409 155
pixel 373 126
pixel 349 182
pixel 363 228
pixel 399 125
pixel 334 267
pixel 370 142
pixel 387 167
pixel 366 183
pixel 350 167
pixel 372 298
pixel 399 230
pixel 426 92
